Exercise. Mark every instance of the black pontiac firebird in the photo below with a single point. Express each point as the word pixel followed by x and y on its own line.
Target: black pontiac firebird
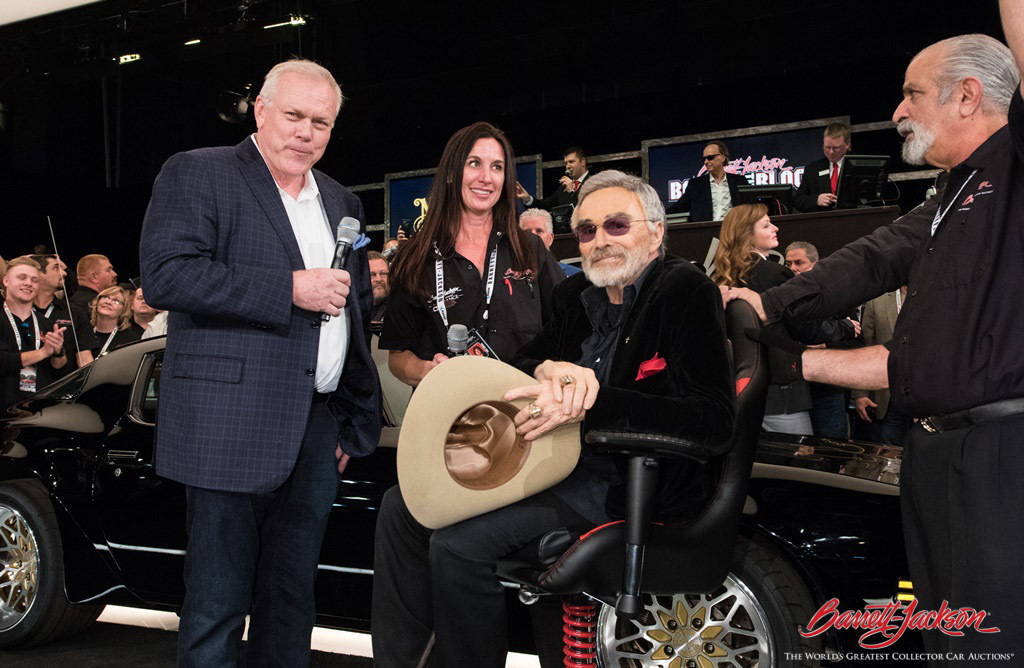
pixel 85 521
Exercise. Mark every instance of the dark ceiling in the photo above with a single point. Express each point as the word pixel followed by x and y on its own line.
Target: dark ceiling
pixel 85 137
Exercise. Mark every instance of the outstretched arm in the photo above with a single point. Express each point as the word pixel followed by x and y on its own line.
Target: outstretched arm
pixel 860 369
pixel 1013 26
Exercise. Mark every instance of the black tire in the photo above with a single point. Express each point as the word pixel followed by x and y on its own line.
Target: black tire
pixel 782 593
pixel 759 609
pixel 33 599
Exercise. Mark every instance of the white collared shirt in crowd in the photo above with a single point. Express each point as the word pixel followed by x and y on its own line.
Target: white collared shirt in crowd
pixel 721 197
pixel 313 233
pixel 839 164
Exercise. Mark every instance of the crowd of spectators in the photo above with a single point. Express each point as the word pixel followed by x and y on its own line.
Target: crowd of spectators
pixel 86 312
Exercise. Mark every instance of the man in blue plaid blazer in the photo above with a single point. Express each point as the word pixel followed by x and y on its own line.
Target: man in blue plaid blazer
pixel 258 389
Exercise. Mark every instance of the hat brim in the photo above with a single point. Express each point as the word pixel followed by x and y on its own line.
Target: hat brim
pixel 434 497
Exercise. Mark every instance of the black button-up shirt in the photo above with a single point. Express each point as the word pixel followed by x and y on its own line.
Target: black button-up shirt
pixel 586 489
pixel 959 340
pixel 607 320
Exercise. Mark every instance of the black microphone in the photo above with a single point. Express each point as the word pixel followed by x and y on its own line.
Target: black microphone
pixel 348 232
pixel 458 340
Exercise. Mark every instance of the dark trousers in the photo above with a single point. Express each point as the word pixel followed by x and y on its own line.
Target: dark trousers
pixel 443 581
pixel 828 414
pixel 257 554
pixel 962 500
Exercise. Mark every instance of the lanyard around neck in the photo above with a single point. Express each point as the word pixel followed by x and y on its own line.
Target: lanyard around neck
pixel 110 339
pixel 14 326
pixel 442 310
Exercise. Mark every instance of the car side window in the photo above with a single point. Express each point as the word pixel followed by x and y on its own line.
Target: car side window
pixel 150 393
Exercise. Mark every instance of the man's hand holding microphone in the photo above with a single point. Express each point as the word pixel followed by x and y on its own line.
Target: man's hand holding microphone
pixel 326 290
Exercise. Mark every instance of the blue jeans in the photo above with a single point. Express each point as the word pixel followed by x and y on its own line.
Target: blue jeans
pixel 893 427
pixel 258 552
pixel 828 415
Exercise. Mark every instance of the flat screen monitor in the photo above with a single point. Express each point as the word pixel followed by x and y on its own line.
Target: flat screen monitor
pixel 777 197
pixel 561 217
pixel 862 181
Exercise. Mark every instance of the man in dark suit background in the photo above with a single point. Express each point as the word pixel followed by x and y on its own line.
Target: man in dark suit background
pixel 576 172
pixel 257 390
pixel 711 195
pixel 817 191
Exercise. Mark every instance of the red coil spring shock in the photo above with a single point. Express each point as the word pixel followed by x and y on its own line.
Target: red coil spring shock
pixel 580 629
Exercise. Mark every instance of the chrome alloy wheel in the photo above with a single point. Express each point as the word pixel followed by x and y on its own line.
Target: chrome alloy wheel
pixel 726 628
pixel 19 568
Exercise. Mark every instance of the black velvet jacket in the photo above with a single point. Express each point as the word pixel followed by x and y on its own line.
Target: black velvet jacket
pixel 677 318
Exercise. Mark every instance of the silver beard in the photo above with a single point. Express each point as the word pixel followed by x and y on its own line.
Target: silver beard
pixel 624 274
pixel 915 148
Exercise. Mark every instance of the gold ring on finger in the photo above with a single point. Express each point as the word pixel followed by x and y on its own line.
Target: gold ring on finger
pixel 535 411
pixel 566 380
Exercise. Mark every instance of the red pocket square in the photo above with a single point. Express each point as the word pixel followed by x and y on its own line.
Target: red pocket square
pixel 650 367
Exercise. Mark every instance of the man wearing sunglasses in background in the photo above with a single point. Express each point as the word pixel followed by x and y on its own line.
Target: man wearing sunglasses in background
pixel 710 195
pixel 613 356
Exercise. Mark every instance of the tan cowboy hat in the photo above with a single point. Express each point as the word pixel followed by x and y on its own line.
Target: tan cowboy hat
pixel 458 452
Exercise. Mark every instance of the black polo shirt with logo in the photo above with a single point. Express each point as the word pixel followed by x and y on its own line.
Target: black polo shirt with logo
pixel 959 340
pixel 520 302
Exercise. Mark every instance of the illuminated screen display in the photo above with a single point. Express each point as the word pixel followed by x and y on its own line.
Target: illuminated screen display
pixel 772 158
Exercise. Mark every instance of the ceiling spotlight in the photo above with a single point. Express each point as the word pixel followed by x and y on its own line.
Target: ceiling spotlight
pixel 233 106
pixel 192 41
pixel 128 58
pixel 294 20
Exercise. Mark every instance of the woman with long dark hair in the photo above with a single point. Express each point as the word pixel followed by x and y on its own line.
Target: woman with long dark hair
pixel 469 263
pixel 746 238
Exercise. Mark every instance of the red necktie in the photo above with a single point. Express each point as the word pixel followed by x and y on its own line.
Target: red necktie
pixel 575 185
pixel 835 176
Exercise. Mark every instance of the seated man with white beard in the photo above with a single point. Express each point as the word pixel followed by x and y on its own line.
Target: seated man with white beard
pixel 636 342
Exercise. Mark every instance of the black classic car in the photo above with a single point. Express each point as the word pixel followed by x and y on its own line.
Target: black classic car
pixel 85 521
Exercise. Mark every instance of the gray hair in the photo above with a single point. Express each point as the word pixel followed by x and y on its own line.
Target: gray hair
pixel 539 213
pixel 654 210
pixel 986 59
pixel 808 247
pixel 302 68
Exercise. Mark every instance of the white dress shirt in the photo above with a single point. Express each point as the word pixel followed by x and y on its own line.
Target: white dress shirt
pixel 313 233
pixel 721 197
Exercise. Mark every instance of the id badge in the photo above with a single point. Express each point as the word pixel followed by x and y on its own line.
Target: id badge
pixel 824 172
pixel 27 379
pixel 478 346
